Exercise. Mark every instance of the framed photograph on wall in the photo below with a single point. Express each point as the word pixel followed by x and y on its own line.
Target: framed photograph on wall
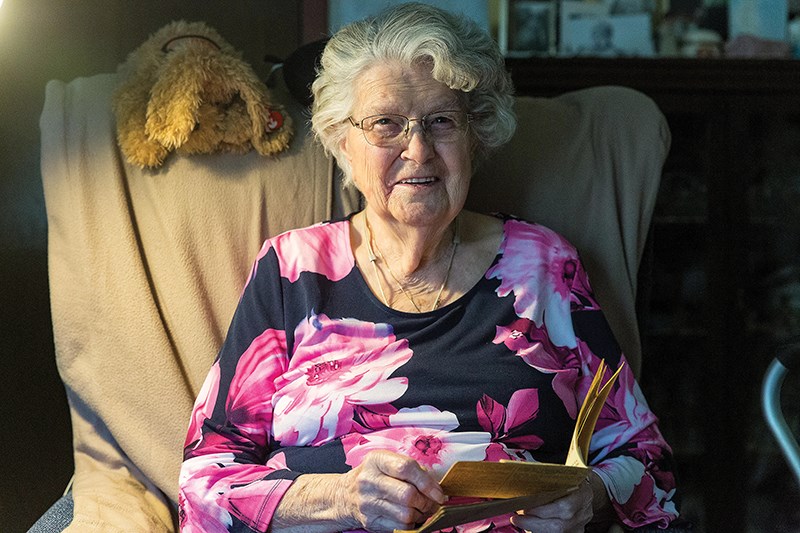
pixel 531 27
pixel 609 36
pixel 571 11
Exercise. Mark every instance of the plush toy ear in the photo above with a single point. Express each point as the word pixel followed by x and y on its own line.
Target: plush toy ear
pixel 176 95
pixel 129 104
pixel 271 127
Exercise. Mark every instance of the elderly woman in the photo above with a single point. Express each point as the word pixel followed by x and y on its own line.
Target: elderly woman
pixel 369 354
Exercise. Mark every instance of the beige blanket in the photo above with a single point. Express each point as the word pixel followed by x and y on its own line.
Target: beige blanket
pixel 145 272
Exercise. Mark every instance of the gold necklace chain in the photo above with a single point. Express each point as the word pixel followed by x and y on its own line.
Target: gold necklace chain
pixel 373 259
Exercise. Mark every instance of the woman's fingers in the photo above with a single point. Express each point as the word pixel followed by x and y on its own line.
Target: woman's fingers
pixel 405 469
pixel 564 515
pixel 383 515
pixel 392 491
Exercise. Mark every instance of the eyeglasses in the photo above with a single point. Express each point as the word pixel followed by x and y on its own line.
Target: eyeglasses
pixel 391 130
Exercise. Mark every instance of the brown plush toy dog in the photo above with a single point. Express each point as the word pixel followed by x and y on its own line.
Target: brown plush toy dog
pixel 187 89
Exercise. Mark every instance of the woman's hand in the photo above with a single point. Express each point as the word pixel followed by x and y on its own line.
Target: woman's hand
pixel 569 514
pixel 386 491
pixel 391 491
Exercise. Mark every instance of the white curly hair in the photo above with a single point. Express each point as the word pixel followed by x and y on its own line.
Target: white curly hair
pixel 461 54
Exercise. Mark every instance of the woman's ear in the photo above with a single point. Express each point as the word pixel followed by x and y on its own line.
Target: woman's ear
pixel 344 146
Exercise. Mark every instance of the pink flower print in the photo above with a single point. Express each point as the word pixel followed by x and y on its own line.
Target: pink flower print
pixel 620 475
pixel 503 423
pixel 203 407
pixel 582 294
pixel 629 418
pixel 253 501
pixel 533 344
pixel 202 518
pixel 654 458
pixel 643 506
pixel 277 462
pixel 373 417
pixel 337 365
pixel 635 492
pixel 496 451
pixel 664 480
pixel 534 347
pixel 491 416
pixel 434 446
pixel 538 267
pixel 306 250
pixel 425 446
pixel 248 404
pixel 228 487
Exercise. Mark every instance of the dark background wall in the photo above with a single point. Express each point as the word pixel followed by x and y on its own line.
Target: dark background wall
pixel 64 39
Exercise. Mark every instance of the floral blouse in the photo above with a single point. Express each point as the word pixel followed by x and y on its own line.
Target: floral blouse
pixel 316 372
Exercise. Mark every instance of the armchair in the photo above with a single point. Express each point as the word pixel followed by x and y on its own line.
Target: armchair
pixel 146 266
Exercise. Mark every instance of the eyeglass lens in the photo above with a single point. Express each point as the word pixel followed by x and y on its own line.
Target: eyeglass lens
pixel 387 129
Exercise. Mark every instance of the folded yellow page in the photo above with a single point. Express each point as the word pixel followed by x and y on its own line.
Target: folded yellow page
pixel 514 485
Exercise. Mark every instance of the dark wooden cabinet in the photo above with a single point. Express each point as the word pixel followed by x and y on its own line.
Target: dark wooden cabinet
pixel 725 273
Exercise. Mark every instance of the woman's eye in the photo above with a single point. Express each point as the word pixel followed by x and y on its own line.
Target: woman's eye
pixel 387 126
pixel 442 122
pixel 386 123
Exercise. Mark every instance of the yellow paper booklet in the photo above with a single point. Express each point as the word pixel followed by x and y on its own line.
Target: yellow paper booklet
pixel 515 485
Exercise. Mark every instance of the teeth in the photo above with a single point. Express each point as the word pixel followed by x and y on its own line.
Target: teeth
pixel 418 180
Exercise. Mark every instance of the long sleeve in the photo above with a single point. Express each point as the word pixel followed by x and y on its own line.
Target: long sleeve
pixel 561 330
pixel 633 460
pixel 227 483
pixel 627 449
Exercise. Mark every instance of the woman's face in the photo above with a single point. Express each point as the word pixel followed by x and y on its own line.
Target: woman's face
pixel 418 182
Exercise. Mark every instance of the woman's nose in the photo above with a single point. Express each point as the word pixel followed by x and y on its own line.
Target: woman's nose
pixel 418 145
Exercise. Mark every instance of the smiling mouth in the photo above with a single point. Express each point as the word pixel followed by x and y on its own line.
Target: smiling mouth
pixel 418 181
